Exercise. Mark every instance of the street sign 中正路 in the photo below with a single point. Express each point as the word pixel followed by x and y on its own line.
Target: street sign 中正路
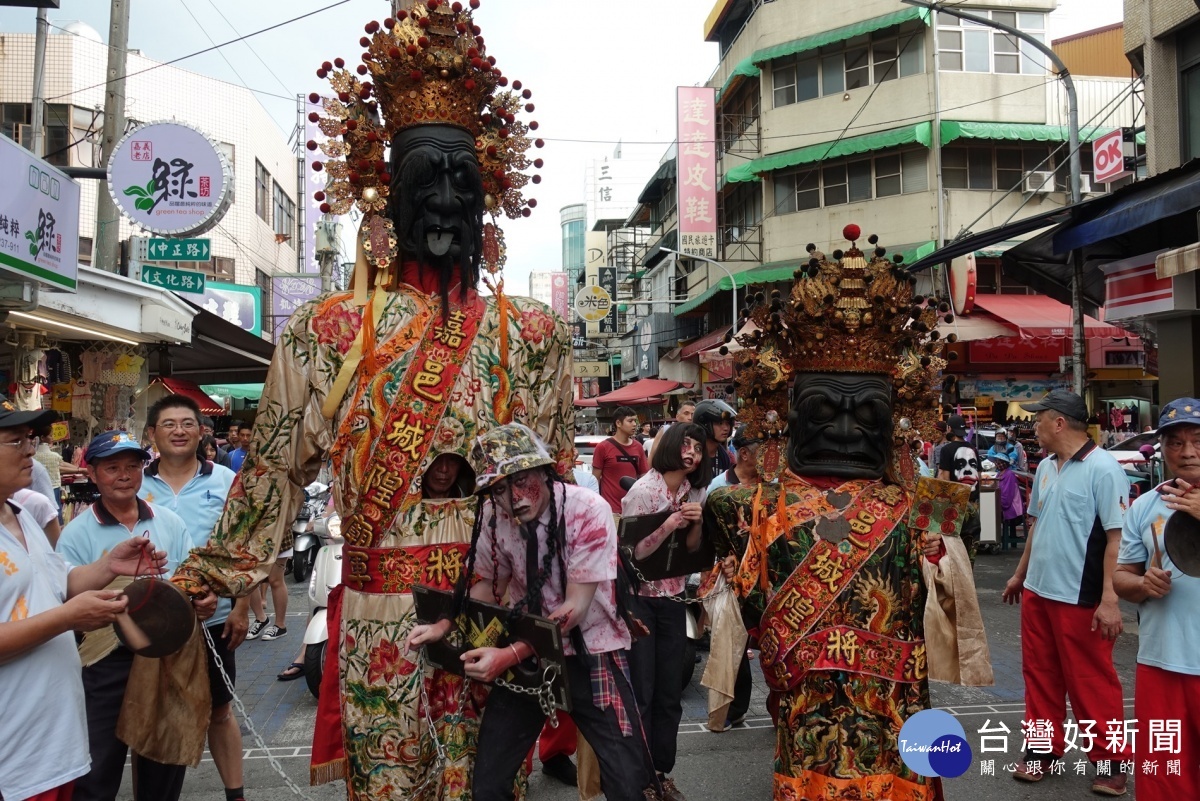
pixel 179 250
pixel 173 280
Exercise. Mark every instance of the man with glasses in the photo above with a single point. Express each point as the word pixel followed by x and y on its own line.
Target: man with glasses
pixel 1168 671
pixel 115 461
pixel 196 490
pixel 43 601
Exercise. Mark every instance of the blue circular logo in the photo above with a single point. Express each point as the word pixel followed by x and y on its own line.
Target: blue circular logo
pixel 933 743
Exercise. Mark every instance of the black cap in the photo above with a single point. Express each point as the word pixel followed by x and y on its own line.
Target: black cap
pixel 1063 401
pixel 957 425
pixel 742 439
pixel 10 417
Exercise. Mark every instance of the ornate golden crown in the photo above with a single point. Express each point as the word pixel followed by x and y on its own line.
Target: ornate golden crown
pixel 428 66
pixel 848 314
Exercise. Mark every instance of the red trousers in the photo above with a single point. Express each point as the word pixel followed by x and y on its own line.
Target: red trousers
pixel 552 741
pixel 1163 695
pixel 61 793
pixel 1061 656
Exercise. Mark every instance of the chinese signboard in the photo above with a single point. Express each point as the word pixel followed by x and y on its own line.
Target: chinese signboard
pixel 697 169
pixel 1010 350
pixel 170 178
pixel 39 218
pixel 1113 156
pixel 559 294
pixel 313 182
pixel 288 292
pixel 593 303
pixel 179 250
pixel 173 280
pixel 240 305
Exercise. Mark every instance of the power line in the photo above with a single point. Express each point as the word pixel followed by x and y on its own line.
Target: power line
pixel 250 48
pixel 220 53
pixel 209 49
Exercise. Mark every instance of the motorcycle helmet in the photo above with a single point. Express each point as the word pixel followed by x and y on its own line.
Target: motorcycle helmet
pixel 713 411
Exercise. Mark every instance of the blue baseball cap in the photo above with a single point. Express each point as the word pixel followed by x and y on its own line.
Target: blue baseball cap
pixel 1179 412
pixel 110 443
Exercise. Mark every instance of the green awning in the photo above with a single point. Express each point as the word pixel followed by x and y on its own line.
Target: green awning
pixel 244 391
pixel 1014 132
pixel 635 275
pixel 780 271
pixel 744 69
pixel 921 133
pixel 807 43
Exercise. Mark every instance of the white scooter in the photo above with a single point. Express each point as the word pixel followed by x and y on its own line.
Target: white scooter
pixel 327 574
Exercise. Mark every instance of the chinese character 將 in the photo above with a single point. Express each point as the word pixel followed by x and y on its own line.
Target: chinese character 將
pixel 1037 736
pixel 1165 736
pixel 993 740
pixel 1073 731
pixel 444 565
pixel 842 645
pixel 1119 735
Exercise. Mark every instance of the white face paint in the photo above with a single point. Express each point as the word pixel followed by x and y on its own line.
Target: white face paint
pixel 966 464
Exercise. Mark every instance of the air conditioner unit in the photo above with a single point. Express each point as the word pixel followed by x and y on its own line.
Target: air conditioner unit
pixel 1085 185
pixel 1039 183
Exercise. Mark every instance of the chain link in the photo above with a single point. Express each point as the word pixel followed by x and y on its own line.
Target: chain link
pixel 241 708
pixel 544 692
pixel 679 599
pixel 441 760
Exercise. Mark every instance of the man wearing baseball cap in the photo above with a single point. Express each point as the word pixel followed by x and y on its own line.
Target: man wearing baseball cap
pixel 1168 670
pixel 551 548
pixel 43 731
pixel 1064 583
pixel 114 463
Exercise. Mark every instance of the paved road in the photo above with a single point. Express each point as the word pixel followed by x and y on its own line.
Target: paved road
pixel 711 767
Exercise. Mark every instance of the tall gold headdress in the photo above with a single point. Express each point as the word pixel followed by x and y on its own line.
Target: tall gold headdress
pixel 428 65
pixel 845 314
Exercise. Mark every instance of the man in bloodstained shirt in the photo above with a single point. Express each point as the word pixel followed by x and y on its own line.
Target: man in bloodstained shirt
pixel 551 549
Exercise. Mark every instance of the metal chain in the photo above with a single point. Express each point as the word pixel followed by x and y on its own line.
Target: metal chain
pixel 440 762
pixel 544 693
pixel 679 599
pixel 241 708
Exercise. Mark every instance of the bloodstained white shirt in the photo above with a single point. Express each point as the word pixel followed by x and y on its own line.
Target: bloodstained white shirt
pixel 590 557
pixel 650 495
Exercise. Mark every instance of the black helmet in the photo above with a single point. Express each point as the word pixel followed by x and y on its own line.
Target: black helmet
pixel 713 411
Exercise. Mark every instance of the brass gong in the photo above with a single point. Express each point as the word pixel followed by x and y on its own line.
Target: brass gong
pixel 158 621
pixel 1181 538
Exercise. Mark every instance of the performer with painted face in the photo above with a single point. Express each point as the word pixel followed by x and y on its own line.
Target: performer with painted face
pixel 837 557
pixel 410 364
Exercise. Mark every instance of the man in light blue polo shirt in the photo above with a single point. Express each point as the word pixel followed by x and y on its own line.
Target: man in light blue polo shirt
pixel 1168 671
pixel 196 491
pixel 1069 614
pixel 115 461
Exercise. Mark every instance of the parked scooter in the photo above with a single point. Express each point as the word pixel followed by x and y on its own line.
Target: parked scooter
pixel 305 538
pixel 326 574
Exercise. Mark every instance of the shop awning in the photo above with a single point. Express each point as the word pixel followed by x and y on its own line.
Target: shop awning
pixel 242 391
pixel 977 326
pixel 921 132
pixel 655 187
pixel 769 273
pixel 809 43
pixel 704 343
pixel 586 403
pixel 744 69
pixel 1014 132
pixel 1177 195
pixel 1036 316
pixel 189 389
pixel 646 390
pixel 221 352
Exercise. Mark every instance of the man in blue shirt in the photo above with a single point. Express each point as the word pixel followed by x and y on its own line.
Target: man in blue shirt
pixel 1069 614
pixel 238 454
pixel 115 461
pixel 1168 671
pixel 196 491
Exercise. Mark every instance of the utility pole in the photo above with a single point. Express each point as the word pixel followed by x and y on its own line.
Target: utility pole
pixel 1079 344
pixel 732 282
pixel 39 85
pixel 108 230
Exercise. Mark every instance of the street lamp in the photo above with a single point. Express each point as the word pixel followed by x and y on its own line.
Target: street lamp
pixel 1079 347
pixel 724 269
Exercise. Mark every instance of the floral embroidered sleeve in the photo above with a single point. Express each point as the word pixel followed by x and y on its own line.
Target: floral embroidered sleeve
pixel 290 439
pixel 554 414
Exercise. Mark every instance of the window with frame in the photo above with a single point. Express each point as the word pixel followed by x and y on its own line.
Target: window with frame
pixel 14 120
pixel 284 217
pixel 220 268
pixel 968 46
pixel 262 191
pixel 862 61
pixel 852 181
pixel 997 167
pixel 1188 57
pixel 663 208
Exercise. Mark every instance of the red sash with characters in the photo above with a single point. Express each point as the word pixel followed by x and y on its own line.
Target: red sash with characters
pixel 388 484
pixel 790 647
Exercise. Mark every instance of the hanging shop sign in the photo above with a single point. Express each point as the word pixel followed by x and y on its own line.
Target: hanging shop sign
pixel 696 132
pixel 288 293
pixel 593 303
pixel 39 219
pixel 170 178
pixel 240 305
pixel 1010 350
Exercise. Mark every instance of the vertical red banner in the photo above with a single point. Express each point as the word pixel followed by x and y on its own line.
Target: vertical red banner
pixel 696 131
pixel 558 295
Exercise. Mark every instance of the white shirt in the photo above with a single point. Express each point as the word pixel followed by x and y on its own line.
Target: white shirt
pixel 43 728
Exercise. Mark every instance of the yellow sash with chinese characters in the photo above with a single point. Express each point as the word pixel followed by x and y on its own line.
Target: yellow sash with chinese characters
pixel 406 435
pixel 788 651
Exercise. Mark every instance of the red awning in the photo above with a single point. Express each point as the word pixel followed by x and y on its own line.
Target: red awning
pixel 647 390
pixel 704 343
pixel 180 386
pixel 586 403
pixel 1037 316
